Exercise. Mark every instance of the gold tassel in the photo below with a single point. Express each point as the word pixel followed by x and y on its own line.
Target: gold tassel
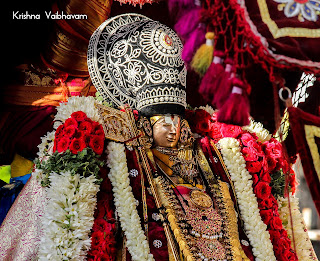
pixel 204 55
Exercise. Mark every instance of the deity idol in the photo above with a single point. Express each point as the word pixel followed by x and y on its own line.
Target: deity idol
pixel 165 193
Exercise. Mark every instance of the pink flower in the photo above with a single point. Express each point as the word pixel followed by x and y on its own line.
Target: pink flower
pixel 246 138
pixel 250 154
pixel 230 130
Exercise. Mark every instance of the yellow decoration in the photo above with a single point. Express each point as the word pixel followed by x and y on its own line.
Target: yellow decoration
pixel 20 166
pixel 204 55
pixel 5 173
pixel 312 132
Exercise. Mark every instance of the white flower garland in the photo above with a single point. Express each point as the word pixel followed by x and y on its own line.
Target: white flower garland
pixel 304 248
pixel 255 229
pixel 257 128
pixel 125 203
pixel 76 103
pixel 68 217
pixel 46 145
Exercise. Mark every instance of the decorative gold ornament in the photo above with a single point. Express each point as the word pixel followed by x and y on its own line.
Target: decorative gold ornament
pixel 201 199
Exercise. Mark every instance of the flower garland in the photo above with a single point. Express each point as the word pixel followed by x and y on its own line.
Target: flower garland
pixel 257 165
pixel 68 217
pixel 255 229
pixel 68 167
pixel 303 244
pixel 125 203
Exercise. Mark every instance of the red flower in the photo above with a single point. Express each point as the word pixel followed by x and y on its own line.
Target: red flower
pixel 97 240
pixel 102 225
pixel 69 131
pixel 276 223
pixel 215 131
pixel 266 203
pixel 249 154
pixel 79 135
pixel 59 131
pixel 254 166
pixel 288 255
pixel 264 176
pixel 292 181
pixel 230 130
pixel 246 137
pixel 63 144
pixel 255 179
pixel 262 190
pixel 203 126
pixel 97 129
pixel 86 127
pixel 71 121
pixel 97 144
pixel 77 145
pixel 266 215
pixel 202 115
pixel 273 148
pixel 272 163
pixel 79 116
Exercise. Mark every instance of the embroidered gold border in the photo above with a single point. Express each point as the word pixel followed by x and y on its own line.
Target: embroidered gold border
pixel 286 31
pixel 311 132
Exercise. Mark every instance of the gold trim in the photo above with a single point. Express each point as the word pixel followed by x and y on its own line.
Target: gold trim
pixel 311 132
pixel 286 31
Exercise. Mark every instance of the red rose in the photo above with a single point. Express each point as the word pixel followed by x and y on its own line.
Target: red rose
pixel 63 144
pixel 202 115
pixel 273 148
pixel 254 166
pixel 266 203
pixel 203 126
pixel 102 225
pixel 97 239
pixel 69 131
pixel 266 216
pixel 189 116
pixel 79 134
pixel 272 163
pixel 97 129
pixel 262 190
pixel 254 145
pixel 265 176
pixel 59 132
pixel 288 255
pixel 100 210
pixel 77 145
pixel 292 181
pixel 249 154
pixel 86 127
pixel 97 144
pixel 232 131
pixel 72 122
pixel 79 116
pixel 215 131
pixel 276 223
pixel 274 234
pixel 245 138
pixel 255 179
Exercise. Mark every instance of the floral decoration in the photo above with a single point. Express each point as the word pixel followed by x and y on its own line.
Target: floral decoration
pixel 304 248
pixel 262 159
pixel 255 228
pixel 68 168
pixel 125 203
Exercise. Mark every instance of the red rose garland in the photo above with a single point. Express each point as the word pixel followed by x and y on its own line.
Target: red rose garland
pixel 79 132
pixel 261 159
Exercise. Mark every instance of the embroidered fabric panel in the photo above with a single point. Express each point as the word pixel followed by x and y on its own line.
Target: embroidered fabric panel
pixel 21 231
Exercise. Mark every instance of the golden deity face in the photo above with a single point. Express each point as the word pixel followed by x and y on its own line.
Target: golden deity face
pixel 166 130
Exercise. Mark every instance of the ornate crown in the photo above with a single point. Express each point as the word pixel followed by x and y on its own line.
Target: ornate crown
pixel 137 61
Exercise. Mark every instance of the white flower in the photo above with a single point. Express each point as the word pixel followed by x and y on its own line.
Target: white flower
pixel 68 217
pixel 304 248
pixel 124 201
pixel 254 227
pixel 303 9
pixel 75 103
pixel 257 128
pixel 46 145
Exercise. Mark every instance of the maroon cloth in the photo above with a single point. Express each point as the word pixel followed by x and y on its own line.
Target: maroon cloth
pixel 298 119
pixel 21 128
pixel 301 48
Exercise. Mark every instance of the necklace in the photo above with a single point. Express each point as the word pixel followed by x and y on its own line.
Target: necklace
pixel 167 151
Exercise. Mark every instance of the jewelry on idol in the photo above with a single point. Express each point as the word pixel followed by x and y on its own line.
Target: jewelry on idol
pixel 167 151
